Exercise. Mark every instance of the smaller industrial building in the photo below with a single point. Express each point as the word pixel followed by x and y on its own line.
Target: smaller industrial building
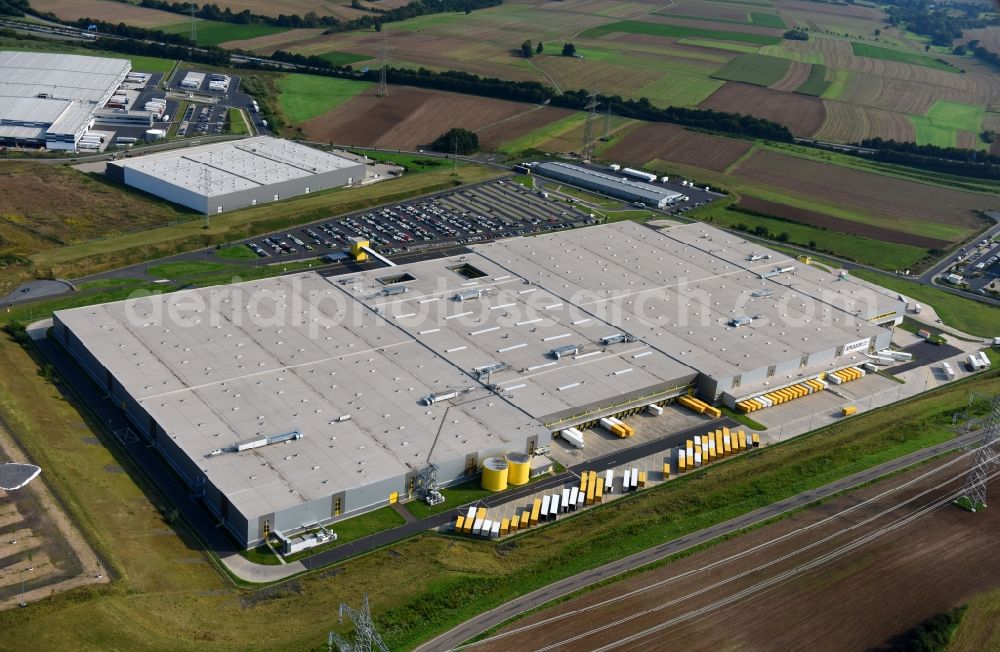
pixel 49 100
pixel 236 174
pixel 607 184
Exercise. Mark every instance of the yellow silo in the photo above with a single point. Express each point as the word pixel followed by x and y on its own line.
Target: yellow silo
pixel 519 468
pixel 495 474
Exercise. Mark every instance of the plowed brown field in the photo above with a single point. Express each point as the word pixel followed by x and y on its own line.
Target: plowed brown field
pixel 108 10
pixel 864 191
pixel 824 221
pixel 675 144
pixel 755 592
pixel 412 117
pixel 802 114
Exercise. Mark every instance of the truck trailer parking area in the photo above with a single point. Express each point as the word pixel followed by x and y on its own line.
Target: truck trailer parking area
pixel 488 211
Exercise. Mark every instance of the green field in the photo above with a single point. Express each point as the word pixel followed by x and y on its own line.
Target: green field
pixel 344 58
pixel 941 122
pixel 966 315
pixel 767 20
pixel 306 96
pixel 757 69
pixel 677 31
pixel 237 125
pixel 213 32
pixel 878 52
pixel 816 84
pixel 883 255
pixel 679 89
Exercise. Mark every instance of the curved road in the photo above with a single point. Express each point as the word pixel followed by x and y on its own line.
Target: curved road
pixel 475 626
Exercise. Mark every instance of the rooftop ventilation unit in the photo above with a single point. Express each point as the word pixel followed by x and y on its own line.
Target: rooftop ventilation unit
pixel 755 256
pixel 760 294
pixel 468 295
pixel 607 340
pixel 776 271
pixel 740 321
pixel 491 368
pixel 247 444
pixel 437 397
pixel 569 349
pixel 394 289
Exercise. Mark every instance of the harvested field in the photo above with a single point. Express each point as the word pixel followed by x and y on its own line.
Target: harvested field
pixel 680 31
pixel 281 41
pixel 708 10
pixel 414 117
pixel 874 90
pixel 802 114
pixel 889 54
pixel 848 123
pixel 988 37
pixel 111 11
pixel 340 9
pixel 675 144
pixel 609 76
pixel 917 204
pixel 812 218
pixel 795 76
pixel 830 10
pixel 858 600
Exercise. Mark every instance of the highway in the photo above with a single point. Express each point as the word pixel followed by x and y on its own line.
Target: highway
pixel 455 637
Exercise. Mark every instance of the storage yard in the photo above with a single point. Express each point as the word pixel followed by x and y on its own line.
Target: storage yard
pixel 456 360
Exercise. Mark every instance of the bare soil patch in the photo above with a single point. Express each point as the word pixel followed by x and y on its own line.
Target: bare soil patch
pixel 675 144
pixel 803 114
pixel 824 221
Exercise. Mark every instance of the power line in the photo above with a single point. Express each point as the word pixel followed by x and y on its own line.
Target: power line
pixel 587 151
pixel 366 637
pixel 607 122
pixel 383 87
pixel 984 459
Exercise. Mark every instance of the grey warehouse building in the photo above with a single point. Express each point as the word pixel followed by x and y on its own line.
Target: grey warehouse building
pixel 608 184
pixel 450 361
pixel 236 174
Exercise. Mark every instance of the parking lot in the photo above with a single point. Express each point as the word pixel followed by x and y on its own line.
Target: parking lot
pixel 203 119
pixel 488 211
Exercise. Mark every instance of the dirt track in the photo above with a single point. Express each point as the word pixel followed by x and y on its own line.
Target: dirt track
pixel 855 602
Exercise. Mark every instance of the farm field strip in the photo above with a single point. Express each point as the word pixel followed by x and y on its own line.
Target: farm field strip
pixel 211 32
pixel 651 141
pixel 816 84
pixel 757 69
pixel 303 97
pixel 679 31
pixel 802 114
pixel 877 52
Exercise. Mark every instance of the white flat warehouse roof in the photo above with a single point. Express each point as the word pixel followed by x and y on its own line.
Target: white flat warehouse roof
pixel 223 168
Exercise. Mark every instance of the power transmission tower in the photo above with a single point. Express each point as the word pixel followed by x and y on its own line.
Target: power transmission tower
pixel 194 23
pixel 983 461
pixel 607 122
pixel 383 87
pixel 588 129
pixel 366 638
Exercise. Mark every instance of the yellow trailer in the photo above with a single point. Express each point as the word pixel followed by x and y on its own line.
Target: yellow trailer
pixel 513 523
pixel 727 441
pixel 504 526
pixel 591 488
pixel 666 470
pixel 629 430
pixel 690 451
pixel 743 407
pixel 742 438
pixel 642 479
pixel 756 439
pixel 848 411
pixel 583 480
pixel 692 404
pixel 459 523
pixel 720 444
pixel 599 491
pixel 618 430
pixel 481 513
pixel 681 461
pixel 525 519
pixel 536 507
pixel 797 392
pixel 713 412
pixel 817 387
pixel 711 449
pixel 785 394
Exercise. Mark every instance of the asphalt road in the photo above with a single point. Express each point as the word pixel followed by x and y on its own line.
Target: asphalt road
pixel 475 626
pixel 925 353
pixel 37 289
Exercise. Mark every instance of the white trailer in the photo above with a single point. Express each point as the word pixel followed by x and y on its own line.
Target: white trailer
pixel 948 371
pixel 609 479
pixel 697 457
pixel 477 528
pixel 654 409
pixel 573 437
pixel 574 496
pixel 487 528
pixel 974 363
pixel 544 513
pixel 984 360
pixel 564 503
pixel 639 174
pixel 581 498
pixel 633 482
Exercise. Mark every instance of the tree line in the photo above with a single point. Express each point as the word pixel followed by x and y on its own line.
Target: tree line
pixel 13 7
pixel 211 11
pixel 947 160
pixel 943 23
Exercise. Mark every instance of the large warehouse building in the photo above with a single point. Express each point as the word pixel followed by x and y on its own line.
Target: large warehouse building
pixel 608 184
pixel 236 174
pixel 49 100
pixel 305 399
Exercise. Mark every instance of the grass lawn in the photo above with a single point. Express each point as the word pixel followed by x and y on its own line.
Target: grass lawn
pixel 236 252
pixel 888 54
pixel 816 84
pixel 214 32
pixel 344 58
pixel 306 96
pixel 677 31
pixel 680 89
pixel 189 268
pixel 966 315
pixel 237 125
pixel 720 45
pixel 883 255
pixel 758 69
